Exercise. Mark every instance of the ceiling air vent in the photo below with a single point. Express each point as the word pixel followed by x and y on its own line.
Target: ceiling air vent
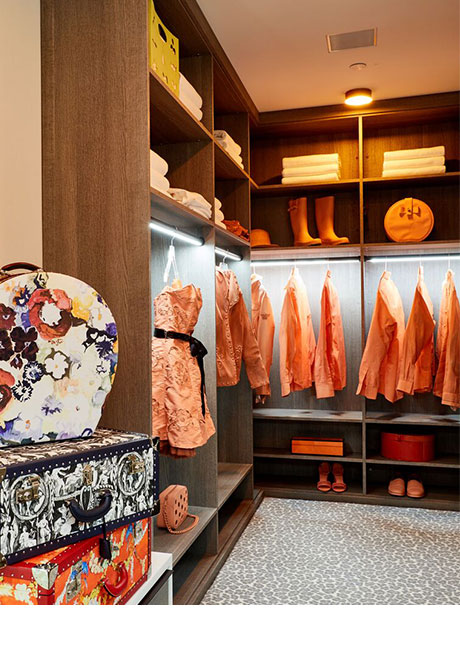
pixel 352 39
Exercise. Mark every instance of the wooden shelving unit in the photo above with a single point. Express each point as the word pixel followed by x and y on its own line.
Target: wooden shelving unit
pixel 229 477
pixel 178 545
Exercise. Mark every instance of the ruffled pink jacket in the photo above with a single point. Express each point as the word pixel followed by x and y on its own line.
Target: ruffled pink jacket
pixel 263 323
pixel 447 381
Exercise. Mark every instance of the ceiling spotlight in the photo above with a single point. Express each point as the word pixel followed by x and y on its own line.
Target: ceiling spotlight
pixel 358 97
pixel 357 67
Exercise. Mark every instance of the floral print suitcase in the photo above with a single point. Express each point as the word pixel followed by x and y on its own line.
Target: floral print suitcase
pixel 57 494
pixel 79 575
pixel 58 356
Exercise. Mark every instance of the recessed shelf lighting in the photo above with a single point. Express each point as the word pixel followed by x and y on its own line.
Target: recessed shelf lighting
pixel 358 97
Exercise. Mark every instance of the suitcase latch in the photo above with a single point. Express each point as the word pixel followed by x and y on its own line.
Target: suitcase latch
pixel 135 464
pixel 87 475
pixel 30 493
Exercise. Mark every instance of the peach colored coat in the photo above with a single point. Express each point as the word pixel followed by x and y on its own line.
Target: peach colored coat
pixel 447 382
pixel 177 417
pixel 379 370
pixel 297 338
pixel 263 323
pixel 235 339
pixel 417 356
pixel 330 371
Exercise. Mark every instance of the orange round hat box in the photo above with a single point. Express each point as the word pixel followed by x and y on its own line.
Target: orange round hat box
pixel 408 221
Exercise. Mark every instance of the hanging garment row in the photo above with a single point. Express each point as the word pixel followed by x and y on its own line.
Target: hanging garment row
pixel 400 360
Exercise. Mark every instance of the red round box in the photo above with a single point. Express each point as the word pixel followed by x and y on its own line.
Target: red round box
pixel 415 448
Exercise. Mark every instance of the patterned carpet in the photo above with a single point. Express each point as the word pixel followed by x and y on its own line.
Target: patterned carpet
pixel 315 552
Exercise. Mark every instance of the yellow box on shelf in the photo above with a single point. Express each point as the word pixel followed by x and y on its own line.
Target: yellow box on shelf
pixel 163 51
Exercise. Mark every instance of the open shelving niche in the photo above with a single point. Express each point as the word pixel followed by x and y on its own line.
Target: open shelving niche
pixel 361 200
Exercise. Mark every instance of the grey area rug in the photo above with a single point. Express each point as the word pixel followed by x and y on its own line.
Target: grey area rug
pixel 315 552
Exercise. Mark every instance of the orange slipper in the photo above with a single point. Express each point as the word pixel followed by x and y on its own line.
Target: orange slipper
pixel 324 485
pixel 415 487
pixel 338 485
pixel 397 486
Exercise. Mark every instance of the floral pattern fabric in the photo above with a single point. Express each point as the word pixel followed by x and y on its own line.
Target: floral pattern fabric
pixel 58 357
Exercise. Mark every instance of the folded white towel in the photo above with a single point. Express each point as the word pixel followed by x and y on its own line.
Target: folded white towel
pixel 217 204
pixel 311 160
pixel 219 216
pixel 226 141
pixel 307 171
pixel 221 224
pixel 159 182
pixel 196 112
pixel 414 162
pixel 187 89
pixel 193 200
pixel 404 172
pixel 410 153
pixel 158 164
pixel 303 179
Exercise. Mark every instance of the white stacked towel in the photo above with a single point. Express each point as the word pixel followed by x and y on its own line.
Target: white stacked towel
pixel 190 97
pixel 414 161
pixel 218 213
pixel 192 200
pixel 305 169
pixel 158 170
pixel 230 145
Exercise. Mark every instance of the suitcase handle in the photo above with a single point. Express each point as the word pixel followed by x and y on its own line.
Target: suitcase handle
pixel 94 514
pixel 20 266
pixel 117 587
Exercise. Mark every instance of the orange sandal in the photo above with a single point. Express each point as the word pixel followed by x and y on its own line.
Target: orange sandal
pixel 338 485
pixel 323 485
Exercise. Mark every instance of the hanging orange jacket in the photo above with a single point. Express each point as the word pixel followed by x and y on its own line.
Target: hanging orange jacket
pixel 330 371
pixel 263 323
pixel 235 339
pixel 379 370
pixel 446 384
pixel 417 356
pixel 297 338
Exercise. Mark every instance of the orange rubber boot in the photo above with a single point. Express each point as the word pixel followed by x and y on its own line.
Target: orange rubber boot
pixel 299 224
pixel 324 213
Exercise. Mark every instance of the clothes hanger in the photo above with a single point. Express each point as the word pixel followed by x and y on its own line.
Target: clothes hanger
pixel 223 265
pixel 172 263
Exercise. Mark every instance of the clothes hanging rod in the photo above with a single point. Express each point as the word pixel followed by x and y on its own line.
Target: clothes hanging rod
pixel 312 261
pixel 413 259
pixel 174 233
pixel 226 254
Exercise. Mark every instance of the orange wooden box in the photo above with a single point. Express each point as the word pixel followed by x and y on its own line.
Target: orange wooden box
pixel 320 446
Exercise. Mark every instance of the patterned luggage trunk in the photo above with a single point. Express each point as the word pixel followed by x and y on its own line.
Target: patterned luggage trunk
pixel 55 495
pixel 78 575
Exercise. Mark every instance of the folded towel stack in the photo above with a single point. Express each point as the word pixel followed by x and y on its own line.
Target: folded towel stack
pixel 306 169
pixel 192 200
pixel 158 170
pixel 415 161
pixel 190 97
pixel 218 213
pixel 229 145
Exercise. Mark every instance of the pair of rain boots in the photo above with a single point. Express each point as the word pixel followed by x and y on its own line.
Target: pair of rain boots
pixel 324 215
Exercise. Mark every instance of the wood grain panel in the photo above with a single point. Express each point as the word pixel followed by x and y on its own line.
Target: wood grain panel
pixel 234 195
pixel 96 174
pixel 237 126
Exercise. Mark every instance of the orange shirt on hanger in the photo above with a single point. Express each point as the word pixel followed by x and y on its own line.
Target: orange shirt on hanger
pixel 263 323
pixel 447 383
pixel 330 372
pixel 235 339
pixel 379 370
pixel 297 338
pixel 417 356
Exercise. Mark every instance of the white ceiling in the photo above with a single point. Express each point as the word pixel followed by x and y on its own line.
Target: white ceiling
pixel 279 48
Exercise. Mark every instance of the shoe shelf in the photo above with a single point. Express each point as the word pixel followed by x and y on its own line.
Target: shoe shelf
pixel 229 477
pixel 306 415
pixel 448 461
pixel 435 498
pixel 412 249
pixel 293 487
pixel 275 453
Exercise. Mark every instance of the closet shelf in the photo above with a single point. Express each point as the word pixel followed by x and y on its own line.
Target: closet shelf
pixel 435 498
pixel 177 545
pixel 414 419
pixel 297 487
pixel 275 453
pixel 225 166
pixel 451 461
pixel 226 239
pixel 170 120
pixel 173 213
pixel 393 182
pixel 267 190
pixel 294 253
pixel 229 476
pixel 304 415
pixel 414 249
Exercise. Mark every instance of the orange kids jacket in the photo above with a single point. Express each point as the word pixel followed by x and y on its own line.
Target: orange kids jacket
pixel 235 339
pixel 447 384
pixel 263 323
pixel 417 357
pixel 330 371
pixel 297 338
pixel 379 370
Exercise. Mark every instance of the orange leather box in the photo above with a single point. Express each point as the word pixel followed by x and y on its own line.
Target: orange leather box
pixel 407 447
pixel 319 446
pixel 77 575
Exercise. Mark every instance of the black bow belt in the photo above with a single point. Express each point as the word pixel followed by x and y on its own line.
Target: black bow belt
pixel 197 349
